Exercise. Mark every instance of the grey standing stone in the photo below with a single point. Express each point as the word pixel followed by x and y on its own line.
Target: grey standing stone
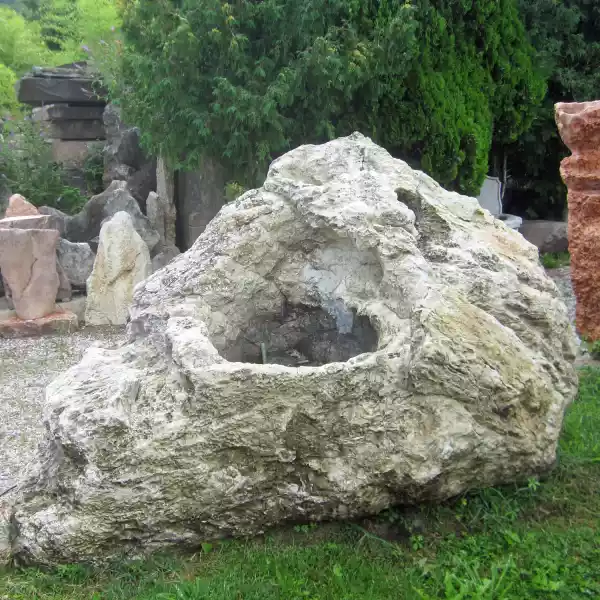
pixel 547 236
pixel 201 195
pixel 86 225
pixel 77 261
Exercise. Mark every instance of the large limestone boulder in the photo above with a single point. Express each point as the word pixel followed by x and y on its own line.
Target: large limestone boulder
pixel 122 262
pixel 413 346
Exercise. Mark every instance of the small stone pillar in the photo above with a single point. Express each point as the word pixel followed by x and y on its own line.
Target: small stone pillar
pixel 579 127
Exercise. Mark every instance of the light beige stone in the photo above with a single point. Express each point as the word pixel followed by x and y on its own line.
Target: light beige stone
pixel 28 265
pixel 18 206
pixel 122 261
pixel 463 384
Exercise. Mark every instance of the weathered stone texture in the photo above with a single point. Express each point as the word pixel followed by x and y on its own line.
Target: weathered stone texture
pixel 86 225
pixel 454 367
pixel 18 206
pixel 28 264
pixel 546 236
pixel 121 263
pixel 77 261
pixel 579 127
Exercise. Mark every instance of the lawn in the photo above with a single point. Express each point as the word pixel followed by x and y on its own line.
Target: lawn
pixel 537 540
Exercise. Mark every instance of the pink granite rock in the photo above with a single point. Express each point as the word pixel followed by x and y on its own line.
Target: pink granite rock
pixel 26 222
pixel 579 127
pixel 19 207
pixel 28 265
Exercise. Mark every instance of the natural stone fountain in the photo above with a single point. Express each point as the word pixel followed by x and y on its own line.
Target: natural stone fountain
pixel 579 127
pixel 348 337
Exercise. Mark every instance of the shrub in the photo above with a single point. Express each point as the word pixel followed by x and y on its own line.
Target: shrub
pixel 21 44
pixel 244 82
pixel 8 99
pixel 28 168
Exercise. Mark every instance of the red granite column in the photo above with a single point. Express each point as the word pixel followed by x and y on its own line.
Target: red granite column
pixel 579 127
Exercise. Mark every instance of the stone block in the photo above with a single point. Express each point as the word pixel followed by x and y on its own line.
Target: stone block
pixel 75 130
pixel 73 154
pixel 201 194
pixel 18 206
pixel 123 261
pixel 28 265
pixel 77 261
pixel 66 112
pixel 26 222
pixel 579 127
pixel 547 236
pixel 50 90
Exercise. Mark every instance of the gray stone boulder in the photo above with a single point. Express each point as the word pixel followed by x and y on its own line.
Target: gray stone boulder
pixel 346 338
pixel 547 236
pixel 85 225
pixel 76 260
pixel 124 158
pixel 164 257
pixel 57 219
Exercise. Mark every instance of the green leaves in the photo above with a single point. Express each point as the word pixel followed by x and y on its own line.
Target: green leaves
pixel 268 76
pixel 429 80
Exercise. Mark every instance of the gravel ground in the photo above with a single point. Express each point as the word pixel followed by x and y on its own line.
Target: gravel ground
pixel 27 366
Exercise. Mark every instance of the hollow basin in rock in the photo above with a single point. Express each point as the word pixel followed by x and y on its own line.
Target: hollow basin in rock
pixel 348 337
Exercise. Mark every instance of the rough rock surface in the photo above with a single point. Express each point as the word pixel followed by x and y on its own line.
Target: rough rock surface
pixel 86 225
pixel 162 215
pixel 164 257
pixel 124 158
pixel 65 291
pixel 18 206
pixel 579 127
pixel 165 188
pixel 77 261
pixel 122 262
pixel 546 236
pixel 28 263
pixel 26 222
pixel 463 373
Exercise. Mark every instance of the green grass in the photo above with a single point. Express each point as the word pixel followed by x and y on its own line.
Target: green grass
pixel 554 260
pixel 540 540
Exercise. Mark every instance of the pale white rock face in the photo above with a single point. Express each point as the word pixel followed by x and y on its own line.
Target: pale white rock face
pixel 122 261
pixel 422 352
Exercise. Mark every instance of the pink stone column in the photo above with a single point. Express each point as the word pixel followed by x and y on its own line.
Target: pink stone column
pixel 579 127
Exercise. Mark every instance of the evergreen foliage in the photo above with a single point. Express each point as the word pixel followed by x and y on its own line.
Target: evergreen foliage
pixel 245 81
pixel 566 35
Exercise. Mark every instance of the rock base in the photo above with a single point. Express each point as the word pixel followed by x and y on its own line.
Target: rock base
pixel 60 321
